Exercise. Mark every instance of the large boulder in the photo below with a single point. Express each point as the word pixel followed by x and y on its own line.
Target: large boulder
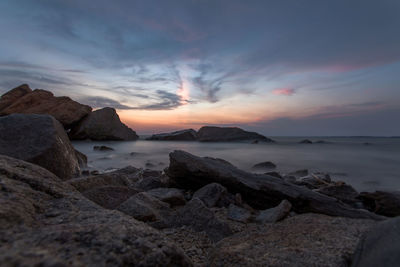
pixel 39 139
pixel 227 134
pixel 212 195
pixel 303 240
pixel 102 124
pixel 259 191
pixel 182 135
pixel 172 196
pixel 45 222
pixel 380 246
pixel 23 100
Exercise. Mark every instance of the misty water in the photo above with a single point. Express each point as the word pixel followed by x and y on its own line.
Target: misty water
pixel 372 166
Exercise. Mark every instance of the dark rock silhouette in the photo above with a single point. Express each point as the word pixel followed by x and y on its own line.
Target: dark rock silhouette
pixel 227 134
pixel 182 135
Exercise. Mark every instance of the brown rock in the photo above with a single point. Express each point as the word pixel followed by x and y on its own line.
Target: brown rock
pixel 275 214
pixel 13 95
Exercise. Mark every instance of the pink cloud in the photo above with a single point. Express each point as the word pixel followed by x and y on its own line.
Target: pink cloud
pixel 284 91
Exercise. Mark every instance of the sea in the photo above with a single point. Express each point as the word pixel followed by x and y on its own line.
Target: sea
pixel 367 163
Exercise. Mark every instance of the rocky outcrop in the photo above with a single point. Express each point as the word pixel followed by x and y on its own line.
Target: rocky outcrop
pixel 264 165
pixel 212 195
pixel 382 202
pixel 23 100
pixel 45 222
pixel 183 135
pixel 228 134
pixel 39 139
pixel 102 124
pixel 259 191
pixel 305 141
pixel 303 240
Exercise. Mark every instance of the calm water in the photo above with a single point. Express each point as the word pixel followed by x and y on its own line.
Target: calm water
pixel 366 167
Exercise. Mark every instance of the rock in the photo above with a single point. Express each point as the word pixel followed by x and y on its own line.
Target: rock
pixel 238 214
pixel 143 207
pixel 264 165
pixel 305 141
pixel 259 191
pixel 45 222
pixel 382 202
pixel 182 135
pixel 109 197
pixel 299 173
pixel 303 240
pixel 102 124
pixel 322 142
pixel 311 182
pixel 152 182
pixel 227 134
pixel 289 179
pixel 275 214
pixel 380 246
pixel 23 100
pixel 39 139
pixel 82 159
pixel 275 174
pixel 341 191
pixel 103 148
pixel 172 196
pixel 200 218
pixel 212 194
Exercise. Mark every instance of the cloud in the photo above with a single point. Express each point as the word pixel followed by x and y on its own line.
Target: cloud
pixel 101 102
pixel 166 101
pixel 284 91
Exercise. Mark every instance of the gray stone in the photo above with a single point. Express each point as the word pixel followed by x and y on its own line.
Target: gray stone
pixel 299 173
pixel 172 196
pixel 39 139
pixel 275 214
pixel 109 197
pixel 341 191
pixel 211 194
pixel 239 214
pixel 228 134
pixel 182 135
pixel 103 148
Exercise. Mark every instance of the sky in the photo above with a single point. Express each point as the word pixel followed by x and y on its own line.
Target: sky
pixel 291 68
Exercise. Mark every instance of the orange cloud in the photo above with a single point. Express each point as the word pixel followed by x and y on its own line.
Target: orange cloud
pixel 284 91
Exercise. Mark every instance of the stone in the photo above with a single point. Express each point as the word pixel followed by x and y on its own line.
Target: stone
pixel 103 148
pixel 264 165
pixel 23 100
pixel 303 240
pixel 109 197
pixel 274 174
pixel 82 159
pixel 341 191
pixel 143 207
pixel 299 173
pixel 172 196
pixel 211 194
pixel 182 135
pixel 275 214
pixel 151 182
pixel 228 134
pixel 39 139
pixel 46 222
pixel 380 246
pixel 102 124
pixel 239 214
pixel 305 141
pixel 311 182
pixel 386 203
pixel 259 191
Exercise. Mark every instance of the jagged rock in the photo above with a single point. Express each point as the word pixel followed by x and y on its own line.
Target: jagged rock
pixel 172 196
pixel 45 222
pixel 380 246
pixel 102 124
pixel 238 214
pixel 39 139
pixel 103 148
pixel 23 100
pixel 305 141
pixel 302 240
pixel 212 195
pixel 143 207
pixel 109 197
pixel 341 191
pixel 275 214
pixel 227 134
pixel 264 165
pixel 259 191
pixel 382 202
pixel 182 135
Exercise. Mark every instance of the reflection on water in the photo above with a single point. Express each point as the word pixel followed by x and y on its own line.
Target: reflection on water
pixel 366 167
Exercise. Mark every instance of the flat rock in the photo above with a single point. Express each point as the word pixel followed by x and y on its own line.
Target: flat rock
pixel 302 240
pixel 102 124
pixel 23 100
pixel 380 246
pixel 238 214
pixel 264 165
pixel 39 139
pixel 182 135
pixel 172 196
pixel 109 197
pixel 212 194
pixel 46 222
pixel 382 202
pixel 259 191
pixel 275 214
pixel 228 134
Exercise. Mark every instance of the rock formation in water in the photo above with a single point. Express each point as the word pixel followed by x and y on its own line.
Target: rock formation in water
pixel 228 134
pixel 182 135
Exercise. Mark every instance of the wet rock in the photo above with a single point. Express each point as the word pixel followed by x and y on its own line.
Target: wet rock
pixel 238 214
pixel 341 191
pixel 182 135
pixel 264 165
pixel 212 194
pixel 103 148
pixel 382 202
pixel 380 246
pixel 275 214
pixel 305 141
pixel 109 197
pixel 303 240
pixel 102 124
pixel 39 139
pixel 227 134
pixel 172 196
pixel 259 191
pixel 46 222
pixel 274 174
pixel 23 100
